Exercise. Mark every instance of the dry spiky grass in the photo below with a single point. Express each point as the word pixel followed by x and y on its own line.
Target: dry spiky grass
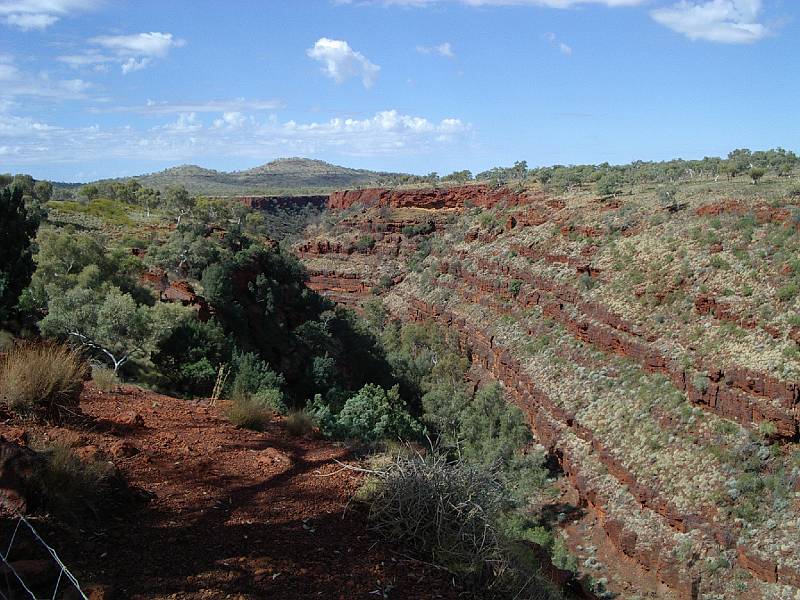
pixel 247 414
pixel 299 422
pixel 41 379
pixel 69 486
pixel 104 378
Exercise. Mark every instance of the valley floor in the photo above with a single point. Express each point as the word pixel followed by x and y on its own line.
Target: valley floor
pixel 234 513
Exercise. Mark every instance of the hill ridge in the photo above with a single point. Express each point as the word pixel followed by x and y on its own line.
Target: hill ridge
pixel 281 176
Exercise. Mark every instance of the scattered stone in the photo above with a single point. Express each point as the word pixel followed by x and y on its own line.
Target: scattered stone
pixel 124 449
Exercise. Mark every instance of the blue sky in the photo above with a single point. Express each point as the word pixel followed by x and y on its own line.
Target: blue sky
pixel 104 88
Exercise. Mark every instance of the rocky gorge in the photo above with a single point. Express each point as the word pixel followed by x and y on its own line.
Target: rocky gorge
pixel 666 392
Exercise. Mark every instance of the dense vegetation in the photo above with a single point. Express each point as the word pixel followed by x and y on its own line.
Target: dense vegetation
pixel 610 179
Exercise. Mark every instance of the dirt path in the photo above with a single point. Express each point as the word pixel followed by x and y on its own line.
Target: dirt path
pixel 235 513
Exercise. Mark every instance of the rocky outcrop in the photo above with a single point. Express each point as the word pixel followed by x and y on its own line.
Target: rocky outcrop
pixel 763 213
pixel 344 288
pixel 183 292
pixel 175 291
pixel 736 393
pixel 456 198
pixel 548 421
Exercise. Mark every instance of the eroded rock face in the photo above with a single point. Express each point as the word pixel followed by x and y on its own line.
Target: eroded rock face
pixel 563 254
pixel 18 466
pixel 175 291
pixel 454 198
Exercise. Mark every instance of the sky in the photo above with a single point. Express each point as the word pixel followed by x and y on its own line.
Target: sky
pixel 110 88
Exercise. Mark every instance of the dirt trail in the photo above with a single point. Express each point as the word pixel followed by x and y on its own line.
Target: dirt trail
pixel 235 513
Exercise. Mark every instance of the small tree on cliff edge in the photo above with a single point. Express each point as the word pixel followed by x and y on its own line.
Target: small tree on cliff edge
pixel 17 229
pixel 110 324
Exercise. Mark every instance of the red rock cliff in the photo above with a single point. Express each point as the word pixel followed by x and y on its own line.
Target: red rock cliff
pixel 438 198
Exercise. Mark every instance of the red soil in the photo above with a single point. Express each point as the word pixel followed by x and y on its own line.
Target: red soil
pixel 235 513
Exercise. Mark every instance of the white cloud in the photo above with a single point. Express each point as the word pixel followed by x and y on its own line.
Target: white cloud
pixel 18 83
pixel 39 14
pixel 186 123
pixel 231 120
pixel 153 107
pixel 542 3
pixel 726 21
pixel 444 49
pixel 565 49
pixel 153 44
pixel 132 52
pixel 11 125
pixel 186 139
pixel 340 61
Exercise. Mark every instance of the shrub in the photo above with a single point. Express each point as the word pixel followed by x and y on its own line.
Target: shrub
pixel 270 398
pixel 515 286
pixel 445 511
pixel 756 173
pixel 418 229
pixel 587 282
pixel 299 422
pixel 701 382
pixel 252 375
pixel 365 243
pixel 767 428
pixel 104 379
pixel 787 292
pixel 247 414
pixel 42 379
pixel 373 414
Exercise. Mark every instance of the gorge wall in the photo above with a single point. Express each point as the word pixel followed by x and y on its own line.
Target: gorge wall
pixel 669 402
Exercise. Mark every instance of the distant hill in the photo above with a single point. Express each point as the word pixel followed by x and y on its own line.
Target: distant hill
pixel 281 176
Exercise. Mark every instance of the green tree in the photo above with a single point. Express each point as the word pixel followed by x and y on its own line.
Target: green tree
pixel 110 324
pixel 756 173
pixel 458 176
pixel 492 430
pixel 43 191
pixel 374 414
pixel 17 229
pixel 179 202
pixel 609 184
pixel 90 191
pixel 147 198
pixel 189 357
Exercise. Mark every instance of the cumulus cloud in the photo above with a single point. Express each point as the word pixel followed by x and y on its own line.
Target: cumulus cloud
pixel 726 21
pixel 231 120
pixel 39 14
pixel 444 49
pixel 186 123
pixel 388 132
pixel 340 61
pixel 131 52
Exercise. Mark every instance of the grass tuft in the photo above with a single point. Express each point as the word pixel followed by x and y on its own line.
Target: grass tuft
pixel 41 379
pixel 247 414
pixel 299 423
pixel 104 378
